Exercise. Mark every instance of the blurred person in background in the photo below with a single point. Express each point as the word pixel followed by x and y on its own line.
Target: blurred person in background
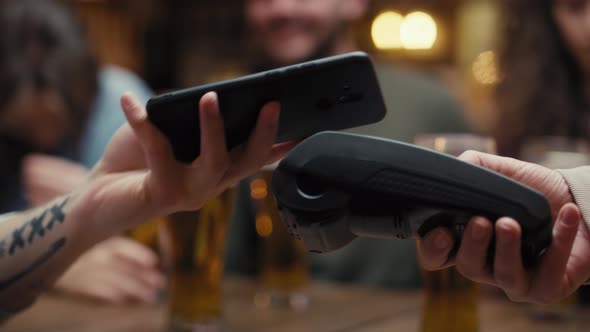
pixel 545 91
pixel 545 61
pixel 291 31
pixel 58 110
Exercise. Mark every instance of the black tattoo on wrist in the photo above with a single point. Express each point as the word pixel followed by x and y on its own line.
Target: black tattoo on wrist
pixel 17 239
pixel 35 228
pixel 54 248
pixel 57 214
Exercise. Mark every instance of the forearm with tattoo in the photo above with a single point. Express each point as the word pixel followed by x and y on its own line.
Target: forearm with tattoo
pixel 26 233
pixel 23 235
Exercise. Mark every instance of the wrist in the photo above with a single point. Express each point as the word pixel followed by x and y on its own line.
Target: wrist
pixel 578 183
pixel 113 203
pixel 565 190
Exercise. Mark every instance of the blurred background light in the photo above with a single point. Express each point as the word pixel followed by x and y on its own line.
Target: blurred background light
pixel 485 68
pixel 386 29
pixel 418 31
pixel 258 189
pixel 264 225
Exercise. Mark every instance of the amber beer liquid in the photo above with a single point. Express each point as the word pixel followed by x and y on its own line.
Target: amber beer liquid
pixel 193 244
pixel 450 302
pixel 284 269
pixel 146 234
pixel 449 299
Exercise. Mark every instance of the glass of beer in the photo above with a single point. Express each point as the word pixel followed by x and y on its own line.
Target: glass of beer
pixel 193 247
pixel 449 299
pixel 146 234
pixel 284 266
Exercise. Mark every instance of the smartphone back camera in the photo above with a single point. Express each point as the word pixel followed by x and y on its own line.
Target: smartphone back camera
pixel 346 97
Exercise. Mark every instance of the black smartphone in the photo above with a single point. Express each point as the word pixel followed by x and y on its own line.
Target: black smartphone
pixel 333 93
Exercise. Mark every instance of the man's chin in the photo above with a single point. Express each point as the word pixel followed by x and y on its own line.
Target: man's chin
pixel 285 57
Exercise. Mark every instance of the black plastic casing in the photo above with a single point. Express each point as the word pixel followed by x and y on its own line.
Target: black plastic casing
pixel 334 187
pixel 333 93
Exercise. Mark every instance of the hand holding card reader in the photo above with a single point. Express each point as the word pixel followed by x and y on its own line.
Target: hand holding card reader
pixel 335 187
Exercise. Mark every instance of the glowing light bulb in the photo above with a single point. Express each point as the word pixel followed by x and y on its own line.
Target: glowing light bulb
pixel 418 31
pixel 385 30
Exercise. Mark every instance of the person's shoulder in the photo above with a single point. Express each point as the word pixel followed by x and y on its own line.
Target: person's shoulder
pixel 118 75
pixel 115 80
pixel 390 75
pixel 421 102
pixel 423 92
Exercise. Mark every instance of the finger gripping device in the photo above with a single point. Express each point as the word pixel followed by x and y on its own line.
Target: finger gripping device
pixel 335 187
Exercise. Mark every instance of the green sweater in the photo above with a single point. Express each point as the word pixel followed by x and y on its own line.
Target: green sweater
pixel 415 105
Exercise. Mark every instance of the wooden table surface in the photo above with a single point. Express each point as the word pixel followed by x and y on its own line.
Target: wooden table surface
pixel 332 308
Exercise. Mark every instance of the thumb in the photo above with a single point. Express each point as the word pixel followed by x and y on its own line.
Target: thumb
pixel 557 258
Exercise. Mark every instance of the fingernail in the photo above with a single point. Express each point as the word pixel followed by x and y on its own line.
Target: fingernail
pixel 441 241
pixel 478 232
pixel 507 235
pixel 127 100
pixel 569 221
pixel 504 226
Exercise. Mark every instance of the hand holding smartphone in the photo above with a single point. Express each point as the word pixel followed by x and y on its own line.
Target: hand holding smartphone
pixel 334 93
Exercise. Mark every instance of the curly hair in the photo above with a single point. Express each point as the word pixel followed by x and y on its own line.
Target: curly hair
pixel 541 91
pixel 42 46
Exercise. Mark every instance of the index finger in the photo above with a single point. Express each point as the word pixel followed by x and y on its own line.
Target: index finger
pixel 213 145
pixel 259 148
pixel 503 165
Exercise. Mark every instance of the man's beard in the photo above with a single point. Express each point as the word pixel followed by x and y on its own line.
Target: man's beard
pixel 326 47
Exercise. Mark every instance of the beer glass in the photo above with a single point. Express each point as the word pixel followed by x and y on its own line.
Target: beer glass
pixel 449 299
pixel 193 245
pixel 284 266
pixel 146 234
